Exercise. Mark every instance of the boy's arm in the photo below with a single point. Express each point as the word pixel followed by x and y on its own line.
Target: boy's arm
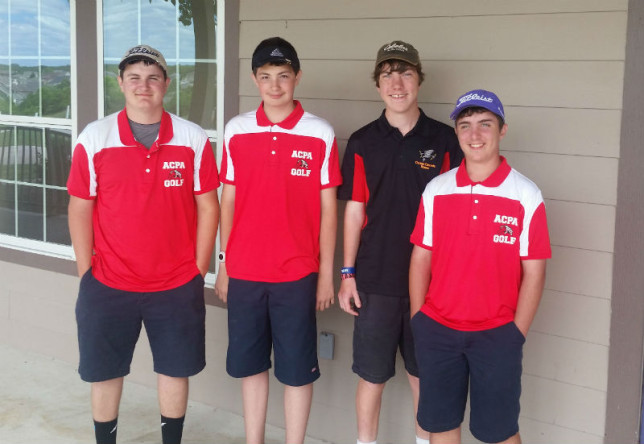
pixel 207 222
pixel 354 215
pixel 419 277
pixel 81 230
pixel 532 282
pixel 225 226
pixel 328 227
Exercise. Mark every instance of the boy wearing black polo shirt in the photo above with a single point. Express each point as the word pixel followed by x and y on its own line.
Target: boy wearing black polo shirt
pixel 280 171
pixel 386 166
pixel 476 277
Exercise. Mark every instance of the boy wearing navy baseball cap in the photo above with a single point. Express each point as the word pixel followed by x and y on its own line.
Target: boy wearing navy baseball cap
pixel 280 172
pixel 476 277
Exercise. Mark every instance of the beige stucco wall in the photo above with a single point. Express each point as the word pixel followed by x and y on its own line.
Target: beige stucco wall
pixel 558 67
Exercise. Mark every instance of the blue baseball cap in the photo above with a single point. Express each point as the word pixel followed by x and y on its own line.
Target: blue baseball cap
pixel 479 98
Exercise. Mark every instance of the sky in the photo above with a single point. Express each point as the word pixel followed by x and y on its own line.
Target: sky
pixel 122 30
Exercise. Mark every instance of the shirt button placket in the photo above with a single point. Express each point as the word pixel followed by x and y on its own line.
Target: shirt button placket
pixel 474 225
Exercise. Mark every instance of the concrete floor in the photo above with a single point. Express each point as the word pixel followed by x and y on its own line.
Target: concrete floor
pixel 43 401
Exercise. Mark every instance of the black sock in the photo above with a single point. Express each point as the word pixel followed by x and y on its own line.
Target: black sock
pixel 172 429
pixel 105 431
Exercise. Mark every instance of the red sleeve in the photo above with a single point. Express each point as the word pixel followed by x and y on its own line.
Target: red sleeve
pixel 79 183
pixel 208 175
pixel 538 236
pixel 360 192
pixel 333 168
pixel 224 167
pixel 418 234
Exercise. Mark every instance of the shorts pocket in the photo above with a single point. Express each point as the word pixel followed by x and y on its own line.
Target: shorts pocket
pixel 518 332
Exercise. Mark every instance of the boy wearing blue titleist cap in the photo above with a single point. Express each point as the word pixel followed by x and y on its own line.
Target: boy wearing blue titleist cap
pixel 280 171
pixel 476 277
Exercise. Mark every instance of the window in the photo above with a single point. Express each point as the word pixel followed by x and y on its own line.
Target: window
pixel 185 32
pixel 37 93
pixel 35 123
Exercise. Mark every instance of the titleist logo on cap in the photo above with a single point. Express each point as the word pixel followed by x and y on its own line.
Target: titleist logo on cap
pixel 474 96
pixel 143 50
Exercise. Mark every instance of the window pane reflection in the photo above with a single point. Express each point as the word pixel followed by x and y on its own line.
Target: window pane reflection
pixel 29 155
pixel 185 34
pixel 58 158
pixel 30 212
pixel 35 58
pixel 7 153
pixel 7 209
pixel 57 231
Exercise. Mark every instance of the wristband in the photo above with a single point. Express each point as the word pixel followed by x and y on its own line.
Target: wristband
pixel 347 273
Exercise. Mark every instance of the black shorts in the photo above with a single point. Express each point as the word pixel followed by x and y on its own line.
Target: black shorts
pixel 380 329
pixel 280 315
pixel 109 323
pixel 489 360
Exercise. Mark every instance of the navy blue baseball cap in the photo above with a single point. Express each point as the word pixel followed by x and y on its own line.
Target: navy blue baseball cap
pixel 275 54
pixel 479 98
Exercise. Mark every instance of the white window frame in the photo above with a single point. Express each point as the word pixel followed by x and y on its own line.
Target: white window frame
pixel 30 245
pixel 64 251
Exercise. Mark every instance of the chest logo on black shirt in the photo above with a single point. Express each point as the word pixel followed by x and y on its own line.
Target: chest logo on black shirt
pixel 426 158
pixel 302 168
pixel 175 177
pixel 506 232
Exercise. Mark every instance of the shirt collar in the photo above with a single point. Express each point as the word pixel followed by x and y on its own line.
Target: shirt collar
pixel 127 138
pixel 386 128
pixel 288 123
pixel 494 180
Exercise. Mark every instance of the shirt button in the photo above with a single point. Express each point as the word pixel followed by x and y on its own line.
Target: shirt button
pixel 148 156
pixel 272 152
pixel 474 217
pixel 147 170
pixel 274 137
pixel 476 201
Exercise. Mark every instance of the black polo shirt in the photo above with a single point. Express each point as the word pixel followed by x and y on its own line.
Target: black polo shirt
pixel 389 172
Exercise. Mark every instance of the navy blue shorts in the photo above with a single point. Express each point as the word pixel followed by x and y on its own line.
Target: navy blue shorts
pixel 265 315
pixel 380 329
pixel 109 323
pixel 490 360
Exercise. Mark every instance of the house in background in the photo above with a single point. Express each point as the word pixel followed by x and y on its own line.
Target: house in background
pixel 569 73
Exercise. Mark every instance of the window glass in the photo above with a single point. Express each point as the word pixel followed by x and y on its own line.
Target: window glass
pixel 58 156
pixel 35 83
pixel 35 58
pixel 8 208
pixel 7 153
pixel 56 221
pixel 30 212
pixel 184 31
pixel 24 27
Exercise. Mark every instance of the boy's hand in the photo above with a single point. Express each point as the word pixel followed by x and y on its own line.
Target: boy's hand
pixel 325 295
pixel 348 293
pixel 221 284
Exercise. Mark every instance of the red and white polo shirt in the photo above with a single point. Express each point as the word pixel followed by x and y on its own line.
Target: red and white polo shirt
pixel 479 233
pixel 145 212
pixel 278 171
